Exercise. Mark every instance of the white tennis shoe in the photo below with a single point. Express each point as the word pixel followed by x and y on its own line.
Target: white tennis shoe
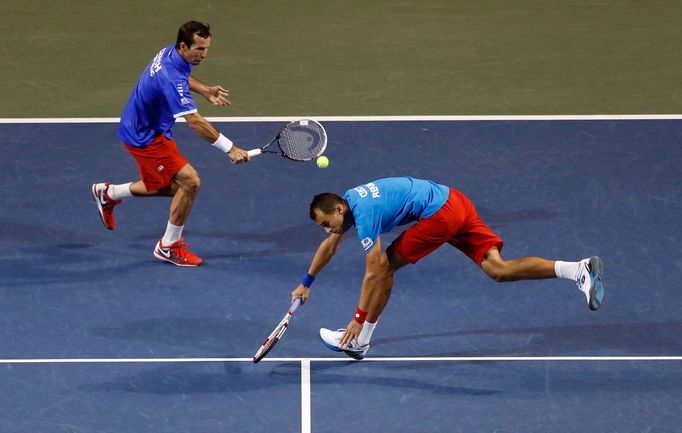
pixel 590 281
pixel 332 339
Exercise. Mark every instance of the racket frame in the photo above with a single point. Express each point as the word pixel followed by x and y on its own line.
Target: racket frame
pixel 277 333
pixel 261 150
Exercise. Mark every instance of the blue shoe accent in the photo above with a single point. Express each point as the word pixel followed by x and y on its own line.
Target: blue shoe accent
pixel 357 355
pixel 334 348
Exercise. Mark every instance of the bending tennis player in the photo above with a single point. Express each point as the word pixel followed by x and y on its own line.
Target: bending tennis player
pixel 443 215
pixel 161 96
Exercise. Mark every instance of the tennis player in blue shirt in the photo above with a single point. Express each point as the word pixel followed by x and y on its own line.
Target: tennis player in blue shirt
pixel 161 96
pixel 442 215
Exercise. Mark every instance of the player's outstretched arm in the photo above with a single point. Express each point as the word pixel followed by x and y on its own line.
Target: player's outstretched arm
pixel 216 95
pixel 323 255
pixel 205 130
pixel 376 287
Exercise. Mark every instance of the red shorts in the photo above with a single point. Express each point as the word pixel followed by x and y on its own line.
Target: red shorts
pixel 158 162
pixel 456 223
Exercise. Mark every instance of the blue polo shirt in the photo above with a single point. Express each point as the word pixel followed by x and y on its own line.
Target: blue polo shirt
pixel 160 96
pixel 381 205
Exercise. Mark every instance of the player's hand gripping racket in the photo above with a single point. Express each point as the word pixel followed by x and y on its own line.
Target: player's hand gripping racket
pixel 302 140
pixel 276 335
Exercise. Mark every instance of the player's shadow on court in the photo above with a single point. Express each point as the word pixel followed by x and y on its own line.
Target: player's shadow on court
pixel 287 240
pixel 198 377
pixel 189 378
pixel 198 333
pixel 636 339
pixel 306 237
pixel 376 374
pixel 258 243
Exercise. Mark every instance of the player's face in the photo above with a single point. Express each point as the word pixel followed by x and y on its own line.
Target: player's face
pixel 195 54
pixel 332 222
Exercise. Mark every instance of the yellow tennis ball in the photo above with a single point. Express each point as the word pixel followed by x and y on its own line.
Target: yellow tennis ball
pixel 323 162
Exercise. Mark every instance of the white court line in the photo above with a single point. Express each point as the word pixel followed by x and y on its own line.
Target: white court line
pixel 306 414
pixel 342 359
pixel 47 120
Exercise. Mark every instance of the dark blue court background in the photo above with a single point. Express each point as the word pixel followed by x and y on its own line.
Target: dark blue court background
pixel 556 189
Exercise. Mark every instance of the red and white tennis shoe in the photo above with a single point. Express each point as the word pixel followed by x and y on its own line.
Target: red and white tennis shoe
pixel 176 253
pixel 105 204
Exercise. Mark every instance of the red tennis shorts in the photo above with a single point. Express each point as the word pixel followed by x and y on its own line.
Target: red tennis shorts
pixel 456 223
pixel 158 162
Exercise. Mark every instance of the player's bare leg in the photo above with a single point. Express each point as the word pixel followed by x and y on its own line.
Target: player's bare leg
pixel 588 274
pixel 525 268
pixel 171 247
pixel 188 183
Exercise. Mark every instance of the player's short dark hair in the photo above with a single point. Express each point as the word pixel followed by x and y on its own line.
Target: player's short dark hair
pixel 325 202
pixel 189 29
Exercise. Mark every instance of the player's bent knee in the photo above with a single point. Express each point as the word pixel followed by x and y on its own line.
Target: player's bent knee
pixel 499 277
pixel 496 271
pixel 191 184
pixel 196 183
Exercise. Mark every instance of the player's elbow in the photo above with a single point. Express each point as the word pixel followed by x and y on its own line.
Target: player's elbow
pixel 195 121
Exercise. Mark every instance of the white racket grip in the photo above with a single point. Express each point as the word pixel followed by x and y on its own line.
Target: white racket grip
pixel 254 152
pixel 295 305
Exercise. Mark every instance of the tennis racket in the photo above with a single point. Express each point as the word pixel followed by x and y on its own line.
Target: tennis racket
pixel 277 333
pixel 302 140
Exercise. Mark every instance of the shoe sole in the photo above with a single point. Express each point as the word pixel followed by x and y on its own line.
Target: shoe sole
pixel 165 259
pixel 597 290
pixel 99 206
pixel 357 357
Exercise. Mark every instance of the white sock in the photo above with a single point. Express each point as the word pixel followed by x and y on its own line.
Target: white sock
pixel 173 233
pixel 117 192
pixel 567 270
pixel 366 333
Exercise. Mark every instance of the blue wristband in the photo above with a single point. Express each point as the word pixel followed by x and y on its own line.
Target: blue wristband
pixel 307 281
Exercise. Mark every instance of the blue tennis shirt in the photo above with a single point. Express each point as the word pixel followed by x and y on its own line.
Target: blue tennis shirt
pixel 160 96
pixel 381 205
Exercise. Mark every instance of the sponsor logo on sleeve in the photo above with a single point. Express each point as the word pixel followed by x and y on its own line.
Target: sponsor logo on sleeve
pixel 367 243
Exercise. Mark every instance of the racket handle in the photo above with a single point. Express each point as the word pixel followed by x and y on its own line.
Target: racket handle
pixel 295 305
pixel 254 152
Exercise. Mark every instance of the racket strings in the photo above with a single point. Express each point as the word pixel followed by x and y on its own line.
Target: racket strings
pixel 303 141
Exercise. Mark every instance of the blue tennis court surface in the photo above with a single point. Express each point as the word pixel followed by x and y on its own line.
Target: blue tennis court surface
pixel 96 335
